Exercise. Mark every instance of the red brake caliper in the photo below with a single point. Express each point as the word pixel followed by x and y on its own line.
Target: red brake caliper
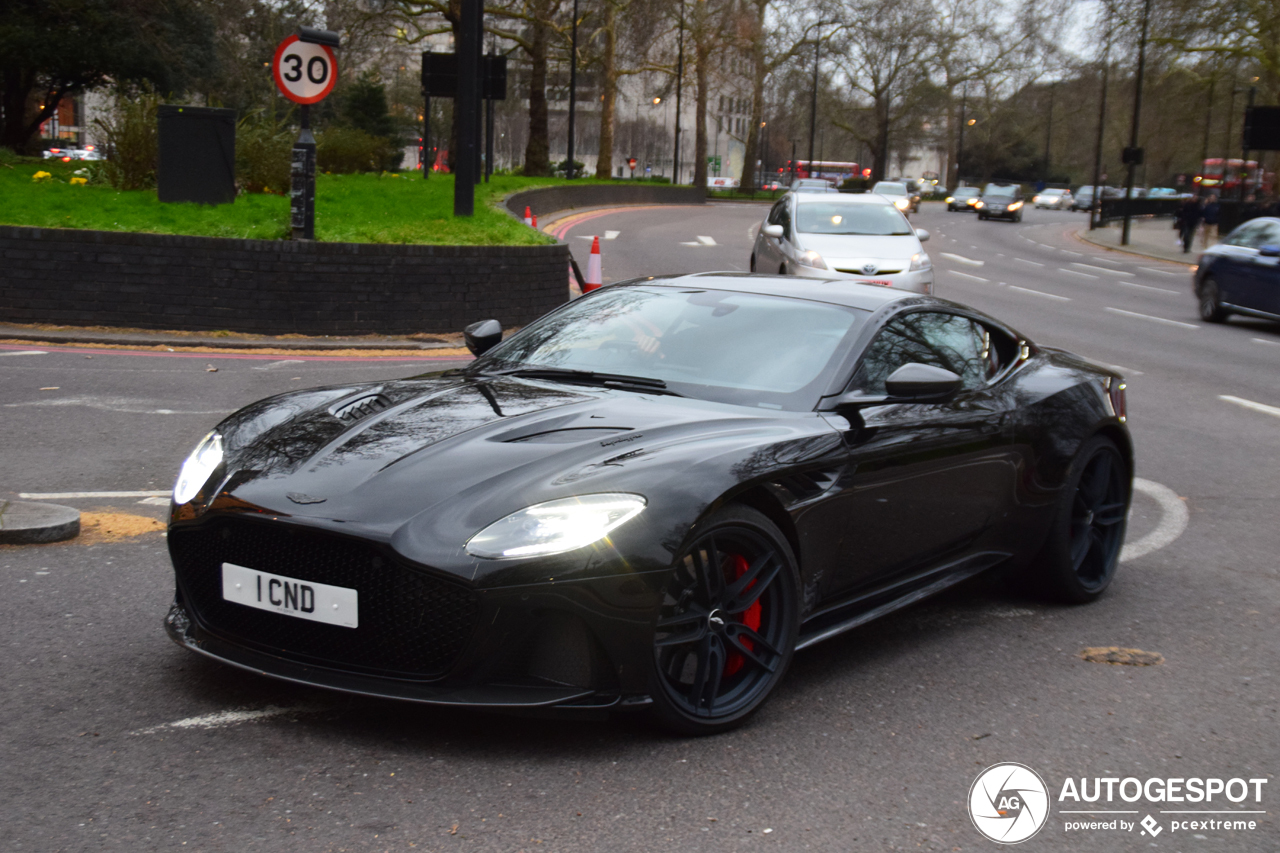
pixel 738 566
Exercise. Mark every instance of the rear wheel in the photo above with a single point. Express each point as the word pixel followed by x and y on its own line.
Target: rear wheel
pixel 1211 310
pixel 753 262
pixel 782 270
pixel 1079 558
pixel 727 627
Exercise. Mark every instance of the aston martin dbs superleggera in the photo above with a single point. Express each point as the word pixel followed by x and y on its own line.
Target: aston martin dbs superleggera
pixel 651 497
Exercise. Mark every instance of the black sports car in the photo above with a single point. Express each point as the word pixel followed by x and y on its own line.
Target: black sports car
pixel 651 497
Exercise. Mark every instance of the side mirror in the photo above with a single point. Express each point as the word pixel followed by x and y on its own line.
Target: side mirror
pixel 917 381
pixel 772 231
pixel 922 235
pixel 483 336
pixel 1269 251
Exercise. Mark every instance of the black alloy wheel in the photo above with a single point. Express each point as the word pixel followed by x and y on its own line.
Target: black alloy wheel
pixel 727 627
pixel 1211 310
pixel 1083 549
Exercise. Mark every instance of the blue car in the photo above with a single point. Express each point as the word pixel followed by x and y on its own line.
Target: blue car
pixel 1241 275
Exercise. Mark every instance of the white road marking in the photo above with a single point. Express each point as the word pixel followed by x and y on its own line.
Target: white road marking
pixel 706 241
pixel 113 404
pixel 1161 272
pixel 611 235
pixel 68 496
pixel 1073 272
pixel 1101 269
pixel 1249 404
pixel 222 719
pixel 961 259
pixel 1153 319
pixel 1025 261
pixel 970 277
pixel 1069 252
pixel 1173 520
pixel 155 500
pixel 26 352
pixel 276 365
pixel 1265 341
pixel 1149 287
pixel 1040 293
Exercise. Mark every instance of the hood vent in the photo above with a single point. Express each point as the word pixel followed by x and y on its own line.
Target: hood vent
pixel 359 407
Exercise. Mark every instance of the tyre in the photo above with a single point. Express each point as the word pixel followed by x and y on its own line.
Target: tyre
pixel 1018 218
pixel 752 265
pixel 782 270
pixel 1082 551
pixel 726 630
pixel 1211 310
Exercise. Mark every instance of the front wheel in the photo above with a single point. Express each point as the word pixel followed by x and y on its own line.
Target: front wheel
pixel 1211 310
pixel 753 262
pixel 1080 556
pixel 727 627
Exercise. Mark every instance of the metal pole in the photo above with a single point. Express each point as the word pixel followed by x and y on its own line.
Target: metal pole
pixel 1244 162
pixel 573 89
pixel 1208 121
pixel 1226 160
pixel 675 159
pixel 964 101
pixel 488 140
pixel 427 160
pixel 1048 133
pixel 1096 207
pixel 813 104
pixel 467 104
pixel 302 192
pixel 1133 128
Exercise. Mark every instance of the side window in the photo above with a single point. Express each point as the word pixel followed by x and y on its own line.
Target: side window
pixel 1247 235
pixel 785 221
pixel 1270 235
pixel 943 340
pixel 775 215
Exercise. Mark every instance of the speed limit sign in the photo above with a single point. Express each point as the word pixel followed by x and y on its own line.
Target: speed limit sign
pixel 304 72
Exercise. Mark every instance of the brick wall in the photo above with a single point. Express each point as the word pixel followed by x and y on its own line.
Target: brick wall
pixel 155 281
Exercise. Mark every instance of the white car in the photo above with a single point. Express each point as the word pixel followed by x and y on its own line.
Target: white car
pixel 898 193
pixel 862 237
pixel 1055 199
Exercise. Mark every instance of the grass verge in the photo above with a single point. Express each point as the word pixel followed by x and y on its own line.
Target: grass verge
pixel 387 208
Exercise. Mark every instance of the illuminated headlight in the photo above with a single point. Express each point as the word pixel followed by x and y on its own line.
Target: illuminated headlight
pixel 199 466
pixel 556 526
pixel 812 259
pixel 977 204
pixel 920 261
pixel 1016 205
pixel 973 202
pixel 902 203
pixel 950 199
pixel 1038 200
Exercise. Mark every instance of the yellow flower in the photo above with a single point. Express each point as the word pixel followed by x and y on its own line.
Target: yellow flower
pixel 41 177
pixel 79 181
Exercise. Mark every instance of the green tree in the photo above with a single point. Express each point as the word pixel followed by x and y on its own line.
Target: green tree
pixel 53 49
pixel 364 107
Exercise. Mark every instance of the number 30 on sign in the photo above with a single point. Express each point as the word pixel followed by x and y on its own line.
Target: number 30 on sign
pixel 304 72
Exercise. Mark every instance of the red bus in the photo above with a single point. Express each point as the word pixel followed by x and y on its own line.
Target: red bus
pixel 834 170
pixel 1211 178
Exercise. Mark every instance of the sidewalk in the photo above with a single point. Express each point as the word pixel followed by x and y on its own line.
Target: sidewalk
pixel 1152 238
pixel 230 341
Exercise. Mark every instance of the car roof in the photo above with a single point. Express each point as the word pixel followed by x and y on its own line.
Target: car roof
pixel 849 293
pixel 841 198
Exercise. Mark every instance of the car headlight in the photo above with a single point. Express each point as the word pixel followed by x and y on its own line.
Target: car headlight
pixel 555 527
pixel 920 261
pixel 1014 206
pixel 950 199
pixel 977 204
pixel 973 202
pixel 902 203
pixel 812 259
pixel 198 467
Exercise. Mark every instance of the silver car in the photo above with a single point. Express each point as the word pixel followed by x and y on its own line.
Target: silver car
pixel 1053 198
pixel 862 237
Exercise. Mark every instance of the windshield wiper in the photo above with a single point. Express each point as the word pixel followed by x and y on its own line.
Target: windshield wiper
pixel 590 377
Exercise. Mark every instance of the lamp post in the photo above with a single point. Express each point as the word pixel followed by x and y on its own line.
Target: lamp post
pixel 813 104
pixel 964 101
pixel 573 88
pixel 1096 206
pixel 675 158
pixel 1133 156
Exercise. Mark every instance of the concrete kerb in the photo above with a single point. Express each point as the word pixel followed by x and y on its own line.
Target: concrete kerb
pixel 1096 238
pixel 28 523
pixel 159 338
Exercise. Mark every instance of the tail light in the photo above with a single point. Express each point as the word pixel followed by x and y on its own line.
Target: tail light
pixel 1115 392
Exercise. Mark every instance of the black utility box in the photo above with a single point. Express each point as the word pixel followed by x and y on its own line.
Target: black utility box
pixel 197 154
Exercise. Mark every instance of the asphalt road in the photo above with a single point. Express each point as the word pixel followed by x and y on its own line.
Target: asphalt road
pixel 115 739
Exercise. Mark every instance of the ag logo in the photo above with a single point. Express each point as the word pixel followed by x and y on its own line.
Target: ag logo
pixel 1008 803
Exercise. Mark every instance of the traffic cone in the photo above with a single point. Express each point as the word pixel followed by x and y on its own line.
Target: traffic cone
pixel 535 222
pixel 528 216
pixel 594 275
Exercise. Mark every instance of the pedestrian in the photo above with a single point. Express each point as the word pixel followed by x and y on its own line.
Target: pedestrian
pixel 1187 219
pixel 1209 216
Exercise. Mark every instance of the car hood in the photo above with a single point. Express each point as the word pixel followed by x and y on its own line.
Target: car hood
pixel 858 250
pixel 433 461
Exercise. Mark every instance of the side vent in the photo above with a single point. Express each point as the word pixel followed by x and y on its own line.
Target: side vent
pixel 359 407
pixel 808 484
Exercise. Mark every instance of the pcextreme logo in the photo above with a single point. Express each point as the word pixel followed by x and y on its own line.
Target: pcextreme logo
pixel 1008 803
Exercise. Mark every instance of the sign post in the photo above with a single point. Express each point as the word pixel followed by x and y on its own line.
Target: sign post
pixel 305 69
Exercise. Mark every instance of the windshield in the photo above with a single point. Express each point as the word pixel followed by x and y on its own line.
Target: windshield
pixel 966 192
pixel 881 220
pixel 1052 192
pixel 890 189
pixel 998 189
pixel 742 348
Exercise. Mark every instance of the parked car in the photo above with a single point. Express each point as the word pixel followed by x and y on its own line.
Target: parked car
pixel 845 236
pixel 1054 199
pixel 1000 201
pixel 899 194
pixel 645 500
pixel 964 198
pixel 1241 273
pixel 1083 199
pixel 812 185
pixel 1163 192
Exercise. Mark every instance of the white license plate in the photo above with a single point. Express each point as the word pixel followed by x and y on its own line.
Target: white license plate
pixel 319 602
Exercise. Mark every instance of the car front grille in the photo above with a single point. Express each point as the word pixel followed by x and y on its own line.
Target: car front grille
pixel 411 624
